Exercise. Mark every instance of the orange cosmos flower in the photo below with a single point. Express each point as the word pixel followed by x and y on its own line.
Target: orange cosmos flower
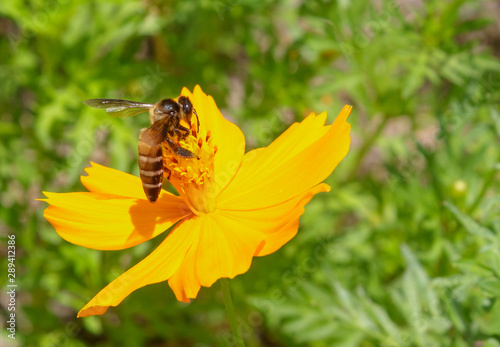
pixel 232 206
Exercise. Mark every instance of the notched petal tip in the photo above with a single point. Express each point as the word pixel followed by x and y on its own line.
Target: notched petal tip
pixel 93 166
pixel 49 196
pixel 344 113
pixel 46 197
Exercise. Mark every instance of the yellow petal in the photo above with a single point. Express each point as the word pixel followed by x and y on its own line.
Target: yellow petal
pixel 102 179
pixel 226 136
pixel 277 239
pixel 110 222
pixel 156 267
pixel 222 248
pixel 302 157
pixel 226 241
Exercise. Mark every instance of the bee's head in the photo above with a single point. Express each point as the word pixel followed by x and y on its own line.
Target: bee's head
pixel 186 105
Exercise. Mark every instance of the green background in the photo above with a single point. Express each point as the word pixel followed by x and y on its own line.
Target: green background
pixel 405 249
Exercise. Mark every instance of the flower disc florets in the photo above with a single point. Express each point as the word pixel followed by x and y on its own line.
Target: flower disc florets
pixel 192 176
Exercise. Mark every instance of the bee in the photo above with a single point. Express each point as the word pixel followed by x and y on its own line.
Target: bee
pixel 165 118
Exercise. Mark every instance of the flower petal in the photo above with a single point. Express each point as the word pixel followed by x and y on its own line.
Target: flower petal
pixel 110 222
pixel 218 252
pixel 226 135
pixel 302 157
pixel 102 179
pixel 226 242
pixel 277 239
pixel 156 267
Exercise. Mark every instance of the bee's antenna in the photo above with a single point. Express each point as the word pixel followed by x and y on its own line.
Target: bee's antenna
pixel 197 120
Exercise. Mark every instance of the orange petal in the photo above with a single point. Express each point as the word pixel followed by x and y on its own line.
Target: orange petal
pixel 156 267
pixel 226 242
pixel 302 157
pixel 226 135
pixel 110 222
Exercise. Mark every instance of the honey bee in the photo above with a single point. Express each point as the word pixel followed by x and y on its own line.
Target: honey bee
pixel 165 118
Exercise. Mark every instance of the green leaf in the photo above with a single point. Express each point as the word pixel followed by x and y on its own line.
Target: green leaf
pixel 473 25
pixel 471 225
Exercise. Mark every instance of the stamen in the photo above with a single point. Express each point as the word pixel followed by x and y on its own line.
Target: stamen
pixel 193 130
pixel 209 133
pixel 200 142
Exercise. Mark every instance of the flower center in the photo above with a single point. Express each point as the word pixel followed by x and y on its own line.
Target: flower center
pixel 192 176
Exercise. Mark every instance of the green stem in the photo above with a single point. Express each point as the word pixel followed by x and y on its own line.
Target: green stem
pixel 231 315
pixel 367 146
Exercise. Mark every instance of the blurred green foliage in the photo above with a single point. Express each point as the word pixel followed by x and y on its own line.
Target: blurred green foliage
pixel 405 250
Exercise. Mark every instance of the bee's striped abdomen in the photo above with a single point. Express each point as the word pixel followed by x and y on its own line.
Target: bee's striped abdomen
pixel 151 169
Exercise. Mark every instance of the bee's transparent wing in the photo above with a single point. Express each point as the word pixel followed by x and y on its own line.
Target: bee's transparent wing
pixel 119 108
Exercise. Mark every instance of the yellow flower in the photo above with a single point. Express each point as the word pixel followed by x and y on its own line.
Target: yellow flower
pixel 232 206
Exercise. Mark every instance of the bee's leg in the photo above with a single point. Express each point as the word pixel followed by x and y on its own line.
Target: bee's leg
pixel 179 150
pixel 182 131
pixel 179 129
